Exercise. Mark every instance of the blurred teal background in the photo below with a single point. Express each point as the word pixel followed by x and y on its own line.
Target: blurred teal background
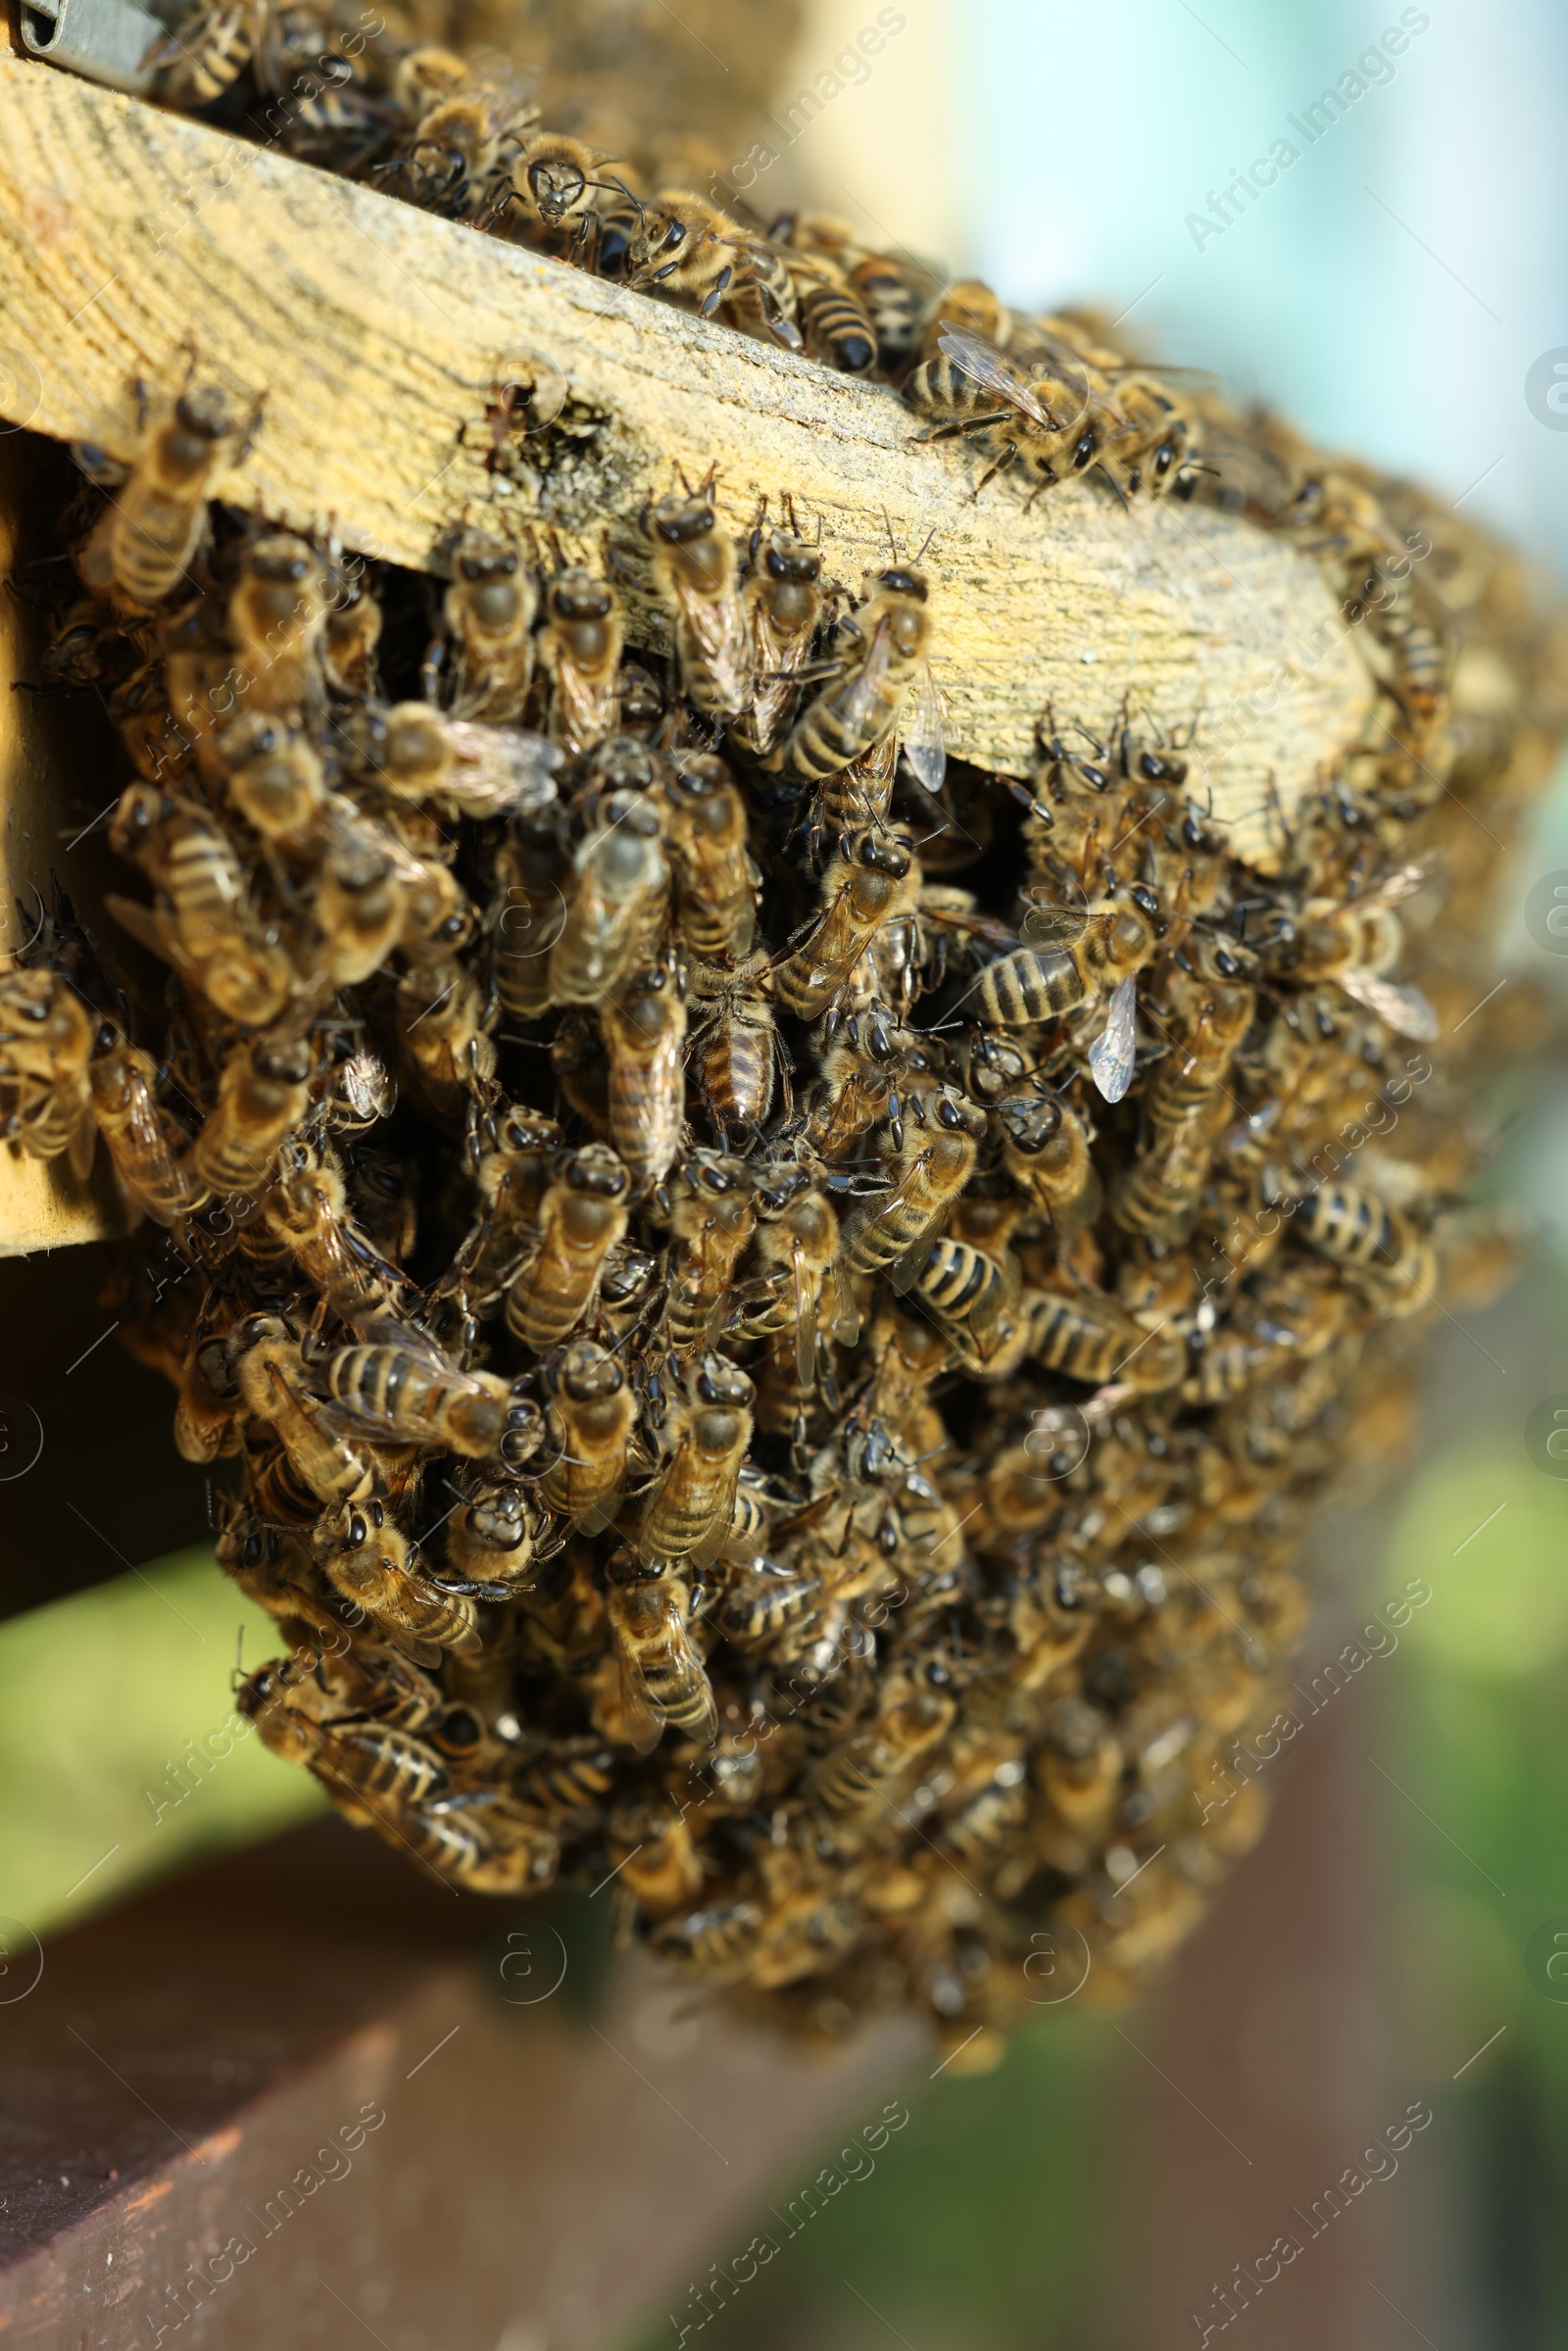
pixel 1390 292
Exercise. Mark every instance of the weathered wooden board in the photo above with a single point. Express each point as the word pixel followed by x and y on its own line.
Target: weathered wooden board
pixel 131 238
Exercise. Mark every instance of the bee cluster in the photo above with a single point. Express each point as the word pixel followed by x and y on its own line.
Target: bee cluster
pixel 750 1373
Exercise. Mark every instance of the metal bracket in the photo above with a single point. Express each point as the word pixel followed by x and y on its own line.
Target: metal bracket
pixel 107 40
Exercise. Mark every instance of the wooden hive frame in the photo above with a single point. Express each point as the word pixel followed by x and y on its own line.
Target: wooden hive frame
pixel 132 240
pixel 134 244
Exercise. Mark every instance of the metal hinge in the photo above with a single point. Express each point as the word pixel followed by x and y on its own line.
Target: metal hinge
pixel 107 40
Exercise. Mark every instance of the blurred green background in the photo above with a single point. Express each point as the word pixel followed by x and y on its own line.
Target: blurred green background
pixel 1390 292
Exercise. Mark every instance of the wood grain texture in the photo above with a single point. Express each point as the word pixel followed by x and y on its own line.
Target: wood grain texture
pixel 376 333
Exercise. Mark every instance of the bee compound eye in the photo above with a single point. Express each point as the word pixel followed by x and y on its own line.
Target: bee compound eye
pixel 359 1534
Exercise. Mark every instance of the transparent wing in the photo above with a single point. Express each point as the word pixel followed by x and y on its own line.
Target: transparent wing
pixel 501 768
pixel 703 1554
pixel 925 742
pixel 860 695
pixel 908 1269
pixel 642 1726
pixel 601 1513
pixel 1406 881
pixel 1402 1008
pixel 985 362
pixel 1110 1057
pixel 805 1319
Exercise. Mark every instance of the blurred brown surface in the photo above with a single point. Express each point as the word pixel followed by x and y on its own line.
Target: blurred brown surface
pixel 564 2138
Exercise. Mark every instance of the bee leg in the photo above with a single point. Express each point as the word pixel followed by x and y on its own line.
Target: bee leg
pixel 1009 452
pixel 713 300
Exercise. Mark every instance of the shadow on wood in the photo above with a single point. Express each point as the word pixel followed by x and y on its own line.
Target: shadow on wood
pixel 297 2086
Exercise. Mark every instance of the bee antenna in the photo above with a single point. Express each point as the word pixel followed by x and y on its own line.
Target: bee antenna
pixel 892 540
pixel 925 543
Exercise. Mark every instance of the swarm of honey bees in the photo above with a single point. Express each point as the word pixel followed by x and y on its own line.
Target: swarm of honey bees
pixel 769 1310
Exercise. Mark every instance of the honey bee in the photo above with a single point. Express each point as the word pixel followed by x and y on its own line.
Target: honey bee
pixel 46 1040
pixel 269 1371
pixel 462 118
pixel 890 296
pixel 526 913
pixel 783 602
pixel 962 1284
pixel 797 1240
pixel 1185 1110
pixel 274 778
pixel 889 633
pixel 592 1410
pixel 1047 417
pixel 154 531
pixel 214 45
pixel 579 650
pixel 688 246
pixel 837 326
pixel 860 893
pixel 456 765
pixel 1357 945
pixel 1355 1229
pixel 1094 1340
pixel 735 1046
pixel 307 1210
pixel 277 617
pixel 407 1392
pixel 144 1144
pixel 440 1012
pixel 552 185
pixel 644 1027
pixel 716 881
pixel 697 576
pixel 964 306
pixel 209 932
pixel 572 1778
pixel 209 1401
pixel 891 1226
pixel 1034 985
pixel 663 1678
pixel 711 1219
pixel 490 1539
pixel 618 904
pixel 704 1438
pixel 489 612
pixel 582 1217
pixel 353 631
pixel 857 1775
pixel 262 1092
pixel 360 907
pixel 365 1555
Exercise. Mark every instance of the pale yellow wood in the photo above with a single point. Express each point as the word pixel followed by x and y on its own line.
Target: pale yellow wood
pixel 376 333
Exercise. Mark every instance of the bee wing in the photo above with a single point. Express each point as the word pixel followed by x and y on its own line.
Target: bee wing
pixel 845 1323
pixel 501 768
pixel 719 624
pixel 1406 881
pixel 703 1554
pixel 602 1513
pixel 805 1320
pixel 1198 379
pixel 643 1727
pixel 858 698
pixel 985 362
pixel 1402 1008
pixel 908 1269
pixel 1110 1057
pixel 1051 924
pixel 925 744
